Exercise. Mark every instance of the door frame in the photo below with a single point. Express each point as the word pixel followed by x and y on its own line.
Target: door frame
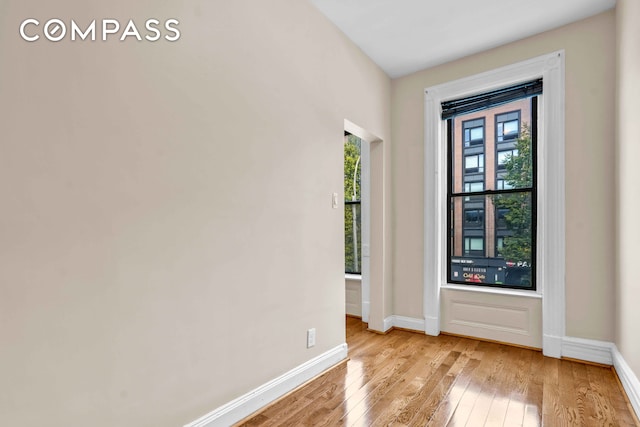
pixel 370 238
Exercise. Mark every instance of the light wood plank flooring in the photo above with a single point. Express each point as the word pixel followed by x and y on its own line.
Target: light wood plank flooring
pixel 410 379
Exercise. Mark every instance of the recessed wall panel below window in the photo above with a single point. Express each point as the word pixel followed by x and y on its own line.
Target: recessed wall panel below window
pixel 491 316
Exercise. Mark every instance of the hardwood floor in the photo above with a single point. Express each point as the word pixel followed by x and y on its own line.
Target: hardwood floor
pixel 410 379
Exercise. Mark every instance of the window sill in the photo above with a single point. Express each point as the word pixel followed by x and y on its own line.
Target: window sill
pixel 349 276
pixel 494 291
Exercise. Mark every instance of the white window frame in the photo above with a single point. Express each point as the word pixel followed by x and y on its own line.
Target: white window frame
pixel 551 201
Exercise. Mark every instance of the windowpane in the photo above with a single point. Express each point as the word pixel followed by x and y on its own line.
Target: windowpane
pixel 510 129
pixel 474 136
pixel 502 156
pixel 471 162
pixel 501 217
pixel 474 164
pixel 352 167
pixel 515 231
pixel 352 217
pixel 474 244
pixel 491 233
pixel 501 184
pixel 477 133
pixel 473 132
pixel 507 126
pixel 514 167
pixel 505 157
pixel 470 187
pixel 352 238
pixel 474 218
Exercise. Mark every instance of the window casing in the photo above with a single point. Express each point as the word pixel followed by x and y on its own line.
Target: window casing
pixel 551 269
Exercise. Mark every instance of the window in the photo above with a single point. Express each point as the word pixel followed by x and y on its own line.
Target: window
pixel 474 136
pixel 352 208
pixel 473 218
pixel 504 247
pixel 474 163
pixel 474 246
pixel 507 126
pixel 501 184
pixel 501 218
pixel 473 186
pixel 473 132
pixel 550 204
pixel 504 157
pixel 499 246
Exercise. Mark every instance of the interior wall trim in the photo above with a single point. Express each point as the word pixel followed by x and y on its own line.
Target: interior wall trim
pixel 588 350
pixel 629 380
pixel 245 405
pixel 403 322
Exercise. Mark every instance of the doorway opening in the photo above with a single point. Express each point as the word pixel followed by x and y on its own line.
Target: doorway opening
pixel 354 220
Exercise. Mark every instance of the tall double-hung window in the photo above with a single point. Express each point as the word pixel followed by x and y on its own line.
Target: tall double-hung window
pixel 491 188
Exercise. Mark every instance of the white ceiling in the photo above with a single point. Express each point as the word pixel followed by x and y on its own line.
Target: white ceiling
pixel 403 36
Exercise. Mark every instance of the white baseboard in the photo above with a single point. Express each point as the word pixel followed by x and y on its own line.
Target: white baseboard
pixel 403 322
pixel 588 350
pixel 409 323
pixel 606 353
pixel 432 326
pixel 552 346
pixel 252 401
pixel 387 324
pixel 628 379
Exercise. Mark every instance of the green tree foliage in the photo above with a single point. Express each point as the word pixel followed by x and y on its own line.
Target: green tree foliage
pixel 519 174
pixel 352 167
pixel 352 171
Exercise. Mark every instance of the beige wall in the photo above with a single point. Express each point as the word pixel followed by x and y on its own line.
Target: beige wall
pixel 167 234
pixel 628 315
pixel 590 102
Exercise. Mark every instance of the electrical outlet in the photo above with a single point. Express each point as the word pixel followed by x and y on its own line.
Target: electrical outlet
pixel 311 337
